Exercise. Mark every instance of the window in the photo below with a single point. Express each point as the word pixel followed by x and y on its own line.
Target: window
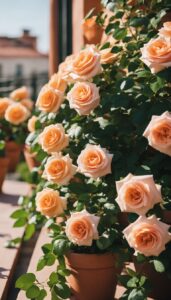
pixel 19 70
pixel 1 70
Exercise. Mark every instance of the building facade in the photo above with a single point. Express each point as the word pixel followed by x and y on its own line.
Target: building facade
pixel 21 62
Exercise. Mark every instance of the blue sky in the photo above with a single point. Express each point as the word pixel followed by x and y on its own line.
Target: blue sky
pixel 29 14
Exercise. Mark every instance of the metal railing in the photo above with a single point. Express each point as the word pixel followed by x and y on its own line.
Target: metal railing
pixel 34 83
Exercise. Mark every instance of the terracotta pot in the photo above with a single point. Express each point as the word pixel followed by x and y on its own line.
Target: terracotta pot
pixel 13 151
pixel 3 170
pixel 161 284
pixel 94 276
pixel 30 158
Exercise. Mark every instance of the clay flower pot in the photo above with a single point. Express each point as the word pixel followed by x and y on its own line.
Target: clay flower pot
pixel 94 276
pixel 160 283
pixel 12 151
pixel 3 170
pixel 30 158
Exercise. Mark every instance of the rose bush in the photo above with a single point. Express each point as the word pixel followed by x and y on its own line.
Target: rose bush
pixel 112 96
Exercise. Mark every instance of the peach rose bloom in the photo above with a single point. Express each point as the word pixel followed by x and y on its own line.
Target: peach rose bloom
pixel 59 169
pixel 138 194
pixel 84 97
pixel 4 103
pixel 28 103
pixel 31 124
pixel 165 31
pixel 20 93
pixel 107 57
pixel 94 161
pixel 53 138
pixel 81 228
pixel 49 99
pixel 158 133
pixel 16 114
pixel 65 68
pixel 156 54
pixel 147 235
pixel 58 83
pixel 50 203
pixel 86 64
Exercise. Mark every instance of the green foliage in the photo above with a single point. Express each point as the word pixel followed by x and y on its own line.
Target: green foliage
pixel 25 281
pixel 129 96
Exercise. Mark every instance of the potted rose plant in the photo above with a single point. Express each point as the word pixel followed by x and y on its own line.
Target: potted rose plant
pixel 15 111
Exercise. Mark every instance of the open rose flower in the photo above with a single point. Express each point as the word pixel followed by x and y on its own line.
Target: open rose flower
pixel 137 194
pixel 28 103
pixel 4 103
pixel 147 236
pixel 86 64
pixel 84 97
pixel 158 133
pixel 16 113
pixel 81 228
pixel 94 161
pixel 59 169
pixel 49 99
pixel 31 124
pixel 53 138
pixel 65 68
pixel 57 82
pixel 107 57
pixel 165 31
pixel 156 54
pixel 20 93
pixel 50 203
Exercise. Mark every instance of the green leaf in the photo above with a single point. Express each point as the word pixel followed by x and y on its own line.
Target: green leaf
pixel 46 248
pixel 19 213
pixel 159 266
pixel 132 283
pixel 50 259
pixel 106 45
pixel 2 145
pixel 30 230
pixel 136 22
pixel 104 242
pixel 42 295
pixel 41 263
pixel 116 49
pixel 131 272
pixel 62 290
pixel 33 292
pixel 20 222
pixel 60 247
pixel 120 33
pixel 12 243
pixel 25 281
pixel 64 272
pixel 136 294
pixel 127 83
pixel 53 278
pixel 143 279
pixel 157 85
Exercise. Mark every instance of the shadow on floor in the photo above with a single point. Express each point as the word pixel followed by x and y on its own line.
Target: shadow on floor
pixel 22 265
